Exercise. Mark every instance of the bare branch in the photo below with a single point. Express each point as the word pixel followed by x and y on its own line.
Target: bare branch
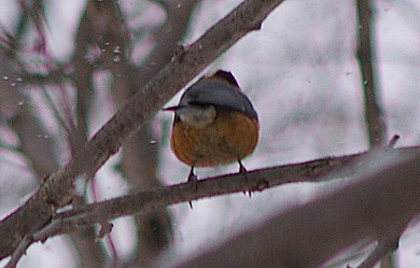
pixel 374 121
pixel 18 253
pixel 150 200
pixel 386 244
pixel 154 199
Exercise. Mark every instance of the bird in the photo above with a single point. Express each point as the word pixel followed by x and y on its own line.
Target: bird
pixel 214 124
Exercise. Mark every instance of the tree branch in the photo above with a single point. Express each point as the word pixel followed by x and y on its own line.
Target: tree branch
pixel 150 200
pixel 374 123
pixel 386 244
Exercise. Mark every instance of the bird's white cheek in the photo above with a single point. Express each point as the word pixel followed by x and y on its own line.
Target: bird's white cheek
pixel 199 117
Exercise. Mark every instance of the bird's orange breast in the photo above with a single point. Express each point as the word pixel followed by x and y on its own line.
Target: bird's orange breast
pixel 231 136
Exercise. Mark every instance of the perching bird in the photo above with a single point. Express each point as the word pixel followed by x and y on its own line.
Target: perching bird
pixel 215 124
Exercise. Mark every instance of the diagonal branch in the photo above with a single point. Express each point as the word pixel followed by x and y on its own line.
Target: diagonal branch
pixel 57 189
pixel 386 244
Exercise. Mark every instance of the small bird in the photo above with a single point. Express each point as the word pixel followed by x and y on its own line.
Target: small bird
pixel 215 124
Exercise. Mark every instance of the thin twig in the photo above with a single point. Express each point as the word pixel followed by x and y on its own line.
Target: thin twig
pixel 375 124
pixel 386 244
pixel 18 253
pixel 54 109
pixel 393 141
